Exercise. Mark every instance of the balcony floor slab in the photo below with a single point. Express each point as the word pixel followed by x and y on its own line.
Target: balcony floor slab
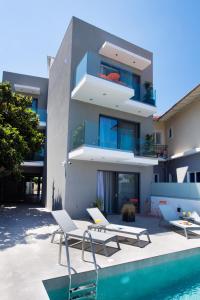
pixel 98 91
pixel 88 153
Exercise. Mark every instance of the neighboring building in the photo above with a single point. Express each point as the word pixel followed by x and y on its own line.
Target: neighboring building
pixel 100 106
pixel 179 130
pixel 33 185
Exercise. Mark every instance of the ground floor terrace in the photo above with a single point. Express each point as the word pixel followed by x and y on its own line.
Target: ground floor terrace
pixel 27 257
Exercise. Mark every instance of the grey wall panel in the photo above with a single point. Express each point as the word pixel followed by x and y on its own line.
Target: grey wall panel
pixel 82 184
pixel 190 161
pixel 57 122
pixel 176 190
pixel 42 83
pixel 75 185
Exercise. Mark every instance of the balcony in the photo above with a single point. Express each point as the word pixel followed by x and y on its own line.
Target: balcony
pixel 35 159
pixel 91 144
pixel 42 115
pixel 161 151
pixel 99 83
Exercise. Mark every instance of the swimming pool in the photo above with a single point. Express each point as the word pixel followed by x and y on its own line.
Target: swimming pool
pixel 174 276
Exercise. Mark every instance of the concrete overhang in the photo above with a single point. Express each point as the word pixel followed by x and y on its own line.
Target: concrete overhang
pixel 26 89
pixel 124 56
pixel 87 153
pixel 98 91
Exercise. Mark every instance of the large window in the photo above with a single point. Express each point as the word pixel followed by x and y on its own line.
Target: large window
pixel 193 177
pixel 121 76
pixel 156 177
pixel 107 69
pixel 118 134
pixel 157 138
pixel 34 104
pixel 170 133
pixel 136 86
pixel 108 132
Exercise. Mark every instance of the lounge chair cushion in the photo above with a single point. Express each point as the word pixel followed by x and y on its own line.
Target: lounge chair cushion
pixel 96 235
pixel 113 76
pixel 125 229
pixel 97 221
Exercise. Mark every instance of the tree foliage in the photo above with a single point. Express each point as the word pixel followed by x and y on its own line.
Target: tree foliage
pixel 19 135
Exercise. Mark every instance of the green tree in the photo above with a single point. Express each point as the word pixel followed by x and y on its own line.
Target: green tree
pixel 19 135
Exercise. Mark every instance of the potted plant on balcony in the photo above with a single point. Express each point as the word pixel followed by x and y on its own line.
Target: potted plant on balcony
pixel 78 136
pixel 149 93
pixel 149 145
pixel 128 212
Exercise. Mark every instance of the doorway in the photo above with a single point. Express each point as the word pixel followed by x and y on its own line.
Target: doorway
pixel 33 189
pixel 116 188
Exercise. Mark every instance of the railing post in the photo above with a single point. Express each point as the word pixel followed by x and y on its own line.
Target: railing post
pixel 92 247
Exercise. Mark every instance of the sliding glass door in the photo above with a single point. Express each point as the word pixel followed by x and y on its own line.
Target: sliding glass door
pixel 118 134
pixel 128 188
pixel 108 132
pixel 116 188
pixel 106 190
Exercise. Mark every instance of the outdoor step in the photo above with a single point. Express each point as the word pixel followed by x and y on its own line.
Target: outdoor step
pixel 83 284
pixel 86 295
pixel 83 291
pixel 93 297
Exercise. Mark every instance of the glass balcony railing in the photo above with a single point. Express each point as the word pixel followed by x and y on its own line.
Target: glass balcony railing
pixel 38 156
pixel 161 151
pixel 89 134
pixel 95 65
pixel 42 114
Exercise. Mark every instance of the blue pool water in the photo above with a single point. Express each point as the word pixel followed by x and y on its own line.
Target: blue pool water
pixel 177 279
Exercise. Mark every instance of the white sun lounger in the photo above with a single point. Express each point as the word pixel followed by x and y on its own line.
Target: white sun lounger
pixel 195 217
pixel 70 230
pixel 102 223
pixel 170 216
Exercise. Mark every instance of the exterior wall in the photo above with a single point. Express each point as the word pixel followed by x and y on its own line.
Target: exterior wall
pixel 161 170
pixel 186 196
pixel 42 83
pixel 185 136
pixel 88 38
pixel 84 174
pixel 82 184
pixel 184 204
pixel 184 124
pixel 176 190
pixel 81 111
pixel 190 162
pixel 160 127
pixel 74 185
pixel 57 122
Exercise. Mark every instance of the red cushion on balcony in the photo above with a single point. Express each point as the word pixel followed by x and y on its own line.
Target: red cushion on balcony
pixel 113 76
pixel 134 200
pixel 103 76
pixel 162 202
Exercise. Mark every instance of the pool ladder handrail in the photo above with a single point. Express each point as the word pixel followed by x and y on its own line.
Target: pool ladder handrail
pixel 94 293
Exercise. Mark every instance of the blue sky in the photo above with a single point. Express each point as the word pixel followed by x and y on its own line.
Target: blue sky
pixel 31 30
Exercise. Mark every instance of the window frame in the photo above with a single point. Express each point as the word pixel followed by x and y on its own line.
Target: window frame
pixel 172 133
pixel 170 178
pixel 137 124
pixel 158 178
pixel 195 176
pixel 155 140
